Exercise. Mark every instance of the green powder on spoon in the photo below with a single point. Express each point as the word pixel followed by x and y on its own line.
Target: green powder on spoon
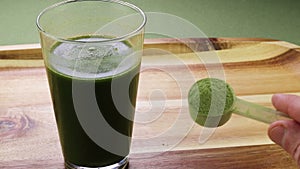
pixel 211 102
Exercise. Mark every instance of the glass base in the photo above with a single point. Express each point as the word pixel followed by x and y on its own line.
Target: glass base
pixel 120 165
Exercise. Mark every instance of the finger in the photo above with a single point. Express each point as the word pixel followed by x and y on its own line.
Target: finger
pixel 286 134
pixel 289 104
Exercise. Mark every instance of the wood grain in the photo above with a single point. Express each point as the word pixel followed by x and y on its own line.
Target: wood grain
pixel 247 157
pixel 164 135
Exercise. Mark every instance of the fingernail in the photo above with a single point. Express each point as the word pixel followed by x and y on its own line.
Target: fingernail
pixel 277 133
pixel 277 98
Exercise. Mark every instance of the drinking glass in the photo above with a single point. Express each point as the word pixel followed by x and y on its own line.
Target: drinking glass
pixel 92 54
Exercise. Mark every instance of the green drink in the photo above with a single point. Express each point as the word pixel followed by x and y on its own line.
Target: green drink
pixel 92 53
pixel 63 73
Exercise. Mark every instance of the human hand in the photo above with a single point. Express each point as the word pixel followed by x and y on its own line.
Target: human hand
pixel 286 133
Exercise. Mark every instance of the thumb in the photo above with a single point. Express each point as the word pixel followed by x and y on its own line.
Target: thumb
pixel 286 134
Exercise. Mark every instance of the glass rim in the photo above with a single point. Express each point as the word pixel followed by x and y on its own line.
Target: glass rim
pixel 117 39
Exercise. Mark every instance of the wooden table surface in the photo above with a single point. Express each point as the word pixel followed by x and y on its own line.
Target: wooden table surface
pixel 164 134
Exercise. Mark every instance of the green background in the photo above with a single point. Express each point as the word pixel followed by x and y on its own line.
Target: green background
pixel 275 19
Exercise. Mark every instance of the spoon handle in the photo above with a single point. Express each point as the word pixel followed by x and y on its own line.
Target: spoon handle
pixel 258 112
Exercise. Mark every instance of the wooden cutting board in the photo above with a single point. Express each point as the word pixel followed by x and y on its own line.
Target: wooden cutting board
pixel 164 134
